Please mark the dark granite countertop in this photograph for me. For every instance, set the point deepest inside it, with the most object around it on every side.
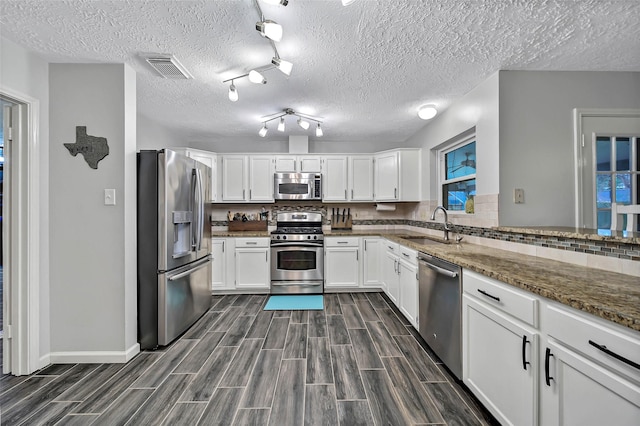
(609, 295)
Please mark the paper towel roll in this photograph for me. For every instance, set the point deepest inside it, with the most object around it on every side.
(386, 207)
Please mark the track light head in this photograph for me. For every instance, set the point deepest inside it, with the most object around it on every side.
(319, 132)
(281, 125)
(347, 2)
(263, 131)
(270, 29)
(303, 123)
(284, 66)
(233, 93)
(277, 2)
(256, 77)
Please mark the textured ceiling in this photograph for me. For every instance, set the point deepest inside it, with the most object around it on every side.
(364, 69)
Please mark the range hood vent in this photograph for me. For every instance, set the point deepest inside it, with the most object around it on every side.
(168, 67)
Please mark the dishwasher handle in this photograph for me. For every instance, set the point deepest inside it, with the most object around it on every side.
(452, 274)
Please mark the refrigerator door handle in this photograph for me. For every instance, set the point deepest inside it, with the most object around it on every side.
(204, 263)
(199, 208)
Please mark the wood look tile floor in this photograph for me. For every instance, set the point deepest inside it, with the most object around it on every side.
(358, 362)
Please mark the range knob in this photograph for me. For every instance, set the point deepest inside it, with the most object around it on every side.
(315, 237)
(278, 237)
(284, 237)
(308, 237)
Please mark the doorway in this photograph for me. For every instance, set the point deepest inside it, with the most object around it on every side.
(608, 164)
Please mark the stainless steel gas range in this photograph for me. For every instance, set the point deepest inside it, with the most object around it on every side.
(297, 254)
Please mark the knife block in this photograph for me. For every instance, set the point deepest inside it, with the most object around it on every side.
(337, 223)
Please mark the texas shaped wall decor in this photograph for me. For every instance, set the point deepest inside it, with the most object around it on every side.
(93, 148)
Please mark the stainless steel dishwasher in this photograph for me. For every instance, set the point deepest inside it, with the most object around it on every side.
(440, 309)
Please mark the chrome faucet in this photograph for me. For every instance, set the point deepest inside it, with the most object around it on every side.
(447, 224)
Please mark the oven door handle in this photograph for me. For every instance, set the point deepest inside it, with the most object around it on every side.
(296, 244)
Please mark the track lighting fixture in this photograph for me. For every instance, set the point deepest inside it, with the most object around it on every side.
(256, 77)
(270, 29)
(427, 112)
(277, 2)
(282, 65)
(233, 92)
(263, 131)
(303, 121)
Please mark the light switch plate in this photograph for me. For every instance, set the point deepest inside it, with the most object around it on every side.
(109, 197)
(518, 196)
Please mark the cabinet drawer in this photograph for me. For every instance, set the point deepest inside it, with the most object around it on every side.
(342, 242)
(518, 304)
(409, 255)
(392, 247)
(252, 242)
(602, 342)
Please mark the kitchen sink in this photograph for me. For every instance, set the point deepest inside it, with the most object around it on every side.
(427, 241)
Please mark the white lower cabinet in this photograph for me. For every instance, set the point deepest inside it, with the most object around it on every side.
(252, 267)
(499, 363)
(408, 284)
(223, 265)
(371, 262)
(390, 271)
(533, 361)
(341, 262)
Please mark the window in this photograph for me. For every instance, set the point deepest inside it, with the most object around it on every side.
(457, 173)
(617, 178)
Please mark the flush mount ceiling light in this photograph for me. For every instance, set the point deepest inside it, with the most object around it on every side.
(270, 29)
(303, 121)
(233, 92)
(427, 112)
(263, 131)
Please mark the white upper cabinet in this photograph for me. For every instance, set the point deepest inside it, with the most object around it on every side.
(298, 163)
(397, 175)
(247, 178)
(234, 177)
(361, 178)
(334, 178)
(261, 169)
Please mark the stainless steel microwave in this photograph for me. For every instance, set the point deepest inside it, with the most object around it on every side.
(297, 186)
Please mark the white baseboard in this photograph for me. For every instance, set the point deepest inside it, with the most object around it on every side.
(44, 361)
(94, 357)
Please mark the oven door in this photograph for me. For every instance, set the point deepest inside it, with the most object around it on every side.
(297, 261)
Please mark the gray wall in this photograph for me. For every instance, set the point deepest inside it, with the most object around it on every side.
(24, 72)
(479, 109)
(93, 251)
(536, 137)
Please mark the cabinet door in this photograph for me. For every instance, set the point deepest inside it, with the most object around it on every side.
(233, 177)
(581, 392)
(386, 177)
(408, 283)
(309, 164)
(260, 178)
(390, 275)
(371, 263)
(211, 161)
(495, 350)
(361, 178)
(252, 268)
(286, 163)
(341, 267)
(335, 179)
(218, 266)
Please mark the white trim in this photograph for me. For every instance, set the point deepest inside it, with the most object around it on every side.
(97, 357)
(578, 115)
(27, 336)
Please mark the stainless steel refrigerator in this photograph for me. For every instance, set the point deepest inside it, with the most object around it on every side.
(174, 244)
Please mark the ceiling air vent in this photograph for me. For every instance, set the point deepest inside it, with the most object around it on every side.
(168, 67)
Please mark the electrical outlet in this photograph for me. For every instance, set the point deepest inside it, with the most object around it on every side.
(518, 196)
